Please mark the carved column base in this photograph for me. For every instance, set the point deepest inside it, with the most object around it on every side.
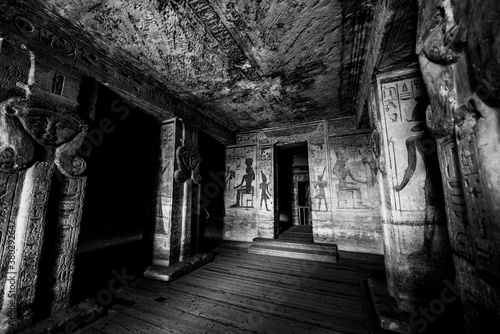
(170, 273)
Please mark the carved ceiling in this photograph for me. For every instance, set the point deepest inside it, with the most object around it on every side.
(248, 64)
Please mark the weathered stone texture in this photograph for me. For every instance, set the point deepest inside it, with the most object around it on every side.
(246, 61)
(458, 43)
(415, 234)
(342, 181)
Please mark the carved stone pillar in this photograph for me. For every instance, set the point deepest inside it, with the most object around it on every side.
(417, 246)
(176, 231)
(164, 235)
(461, 72)
(19, 293)
(40, 134)
(62, 236)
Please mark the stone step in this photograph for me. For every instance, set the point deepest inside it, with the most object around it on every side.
(296, 236)
(282, 243)
(295, 253)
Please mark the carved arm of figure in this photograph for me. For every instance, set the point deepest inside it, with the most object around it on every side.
(412, 163)
(243, 179)
(267, 189)
(354, 178)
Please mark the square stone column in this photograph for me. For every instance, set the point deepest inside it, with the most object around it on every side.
(176, 231)
(415, 233)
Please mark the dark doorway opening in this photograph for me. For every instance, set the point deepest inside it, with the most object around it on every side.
(122, 169)
(293, 205)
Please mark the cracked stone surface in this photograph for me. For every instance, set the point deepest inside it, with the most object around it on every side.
(250, 64)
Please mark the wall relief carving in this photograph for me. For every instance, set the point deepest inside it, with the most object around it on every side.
(28, 131)
(189, 164)
(459, 69)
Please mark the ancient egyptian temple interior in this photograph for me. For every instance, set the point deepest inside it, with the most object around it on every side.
(249, 166)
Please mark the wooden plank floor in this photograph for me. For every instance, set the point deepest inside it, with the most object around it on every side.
(248, 293)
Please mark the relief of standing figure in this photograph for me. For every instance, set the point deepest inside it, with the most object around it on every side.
(265, 194)
(321, 185)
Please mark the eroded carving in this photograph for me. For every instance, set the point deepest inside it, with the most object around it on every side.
(23, 127)
(189, 164)
(66, 241)
(41, 177)
(17, 149)
(459, 70)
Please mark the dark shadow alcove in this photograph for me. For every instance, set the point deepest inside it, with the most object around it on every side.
(123, 150)
(212, 189)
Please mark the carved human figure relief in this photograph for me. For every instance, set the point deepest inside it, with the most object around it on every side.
(23, 127)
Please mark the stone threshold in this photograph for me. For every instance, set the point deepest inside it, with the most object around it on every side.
(170, 273)
(295, 250)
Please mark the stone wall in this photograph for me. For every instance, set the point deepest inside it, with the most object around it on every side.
(355, 194)
(345, 205)
(249, 193)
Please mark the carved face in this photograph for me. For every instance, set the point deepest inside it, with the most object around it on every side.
(438, 39)
(48, 128)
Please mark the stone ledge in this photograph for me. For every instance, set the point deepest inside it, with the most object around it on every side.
(69, 321)
(389, 315)
(170, 273)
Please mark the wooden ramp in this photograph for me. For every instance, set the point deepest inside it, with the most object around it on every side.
(247, 293)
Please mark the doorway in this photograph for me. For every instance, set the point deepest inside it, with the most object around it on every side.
(293, 194)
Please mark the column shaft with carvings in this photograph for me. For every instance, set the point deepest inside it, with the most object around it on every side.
(62, 240)
(41, 132)
(19, 298)
(175, 235)
(416, 238)
(164, 235)
(460, 71)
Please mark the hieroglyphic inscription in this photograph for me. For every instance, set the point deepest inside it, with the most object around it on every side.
(8, 208)
(164, 203)
(246, 138)
(42, 173)
(175, 236)
(68, 230)
(403, 105)
(164, 195)
(455, 202)
(485, 254)
(177, 201)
